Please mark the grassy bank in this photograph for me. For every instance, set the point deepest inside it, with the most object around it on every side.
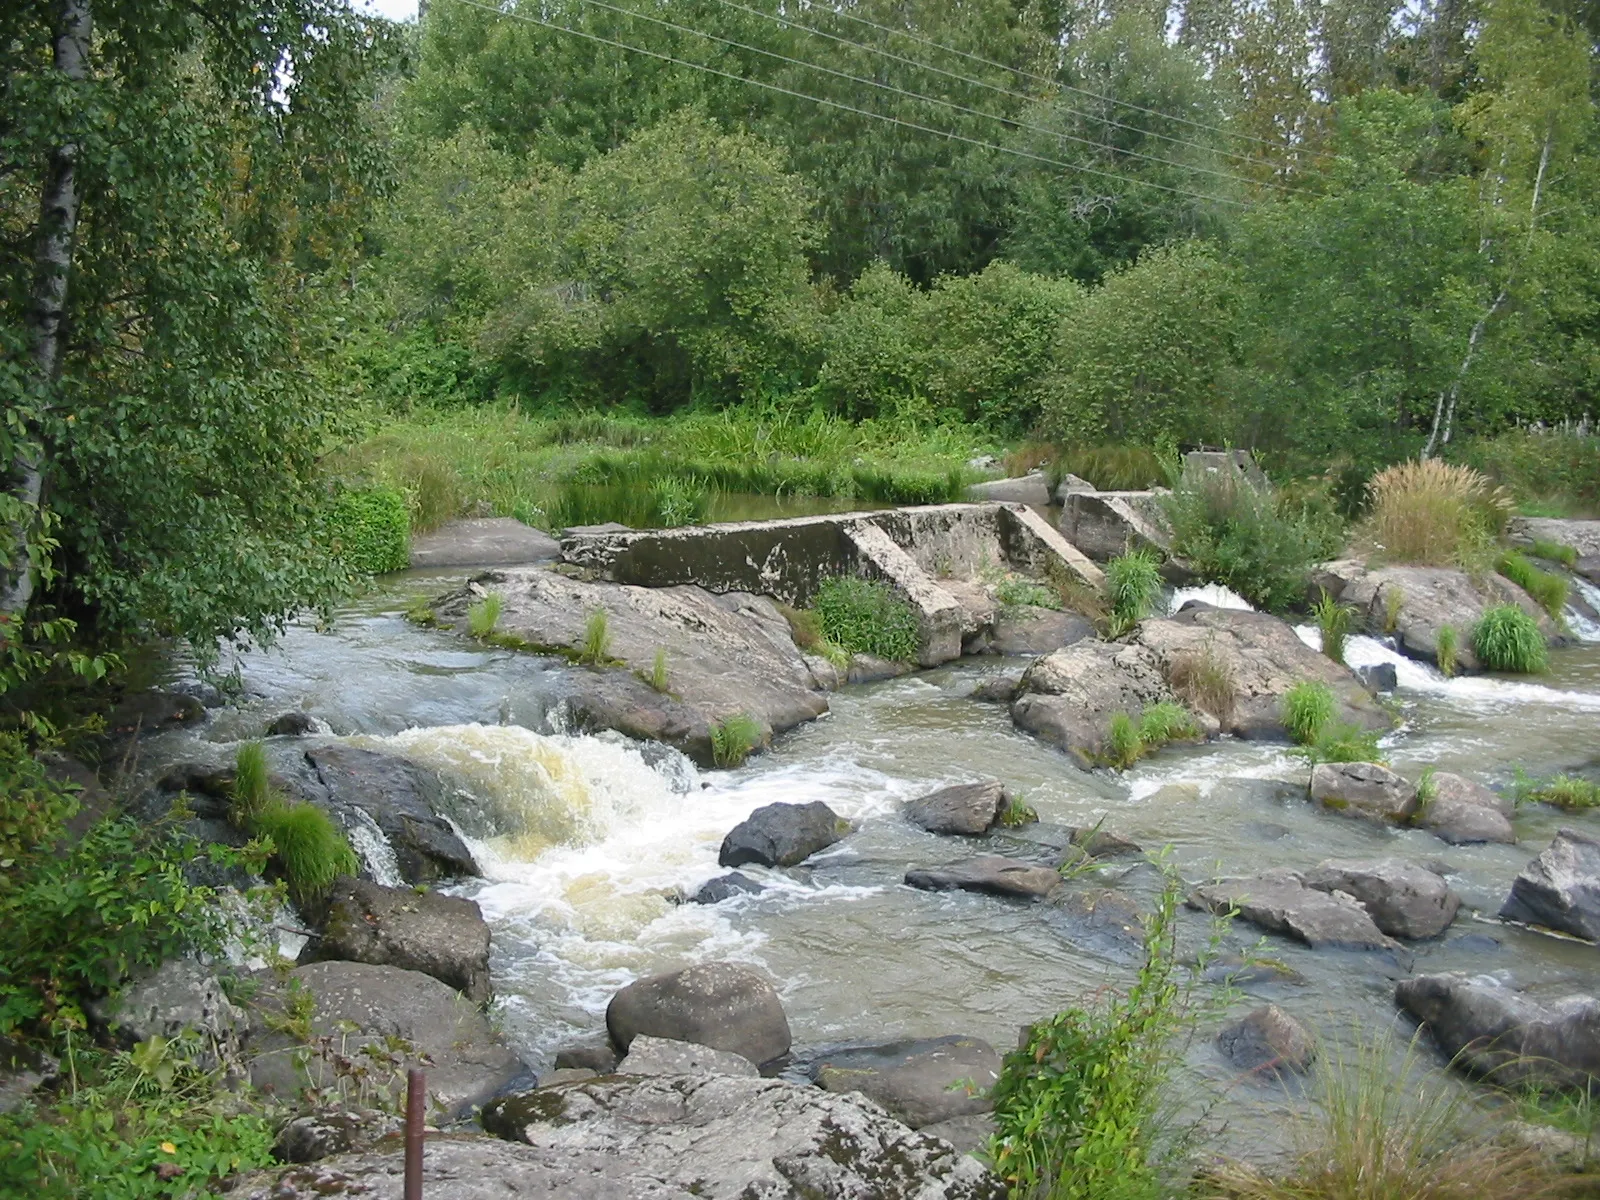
(552, 471)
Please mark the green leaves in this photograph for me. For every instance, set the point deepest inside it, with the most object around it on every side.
(865, 616)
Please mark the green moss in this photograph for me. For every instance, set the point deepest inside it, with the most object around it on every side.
(371, 530)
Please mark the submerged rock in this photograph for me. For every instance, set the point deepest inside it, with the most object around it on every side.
(1487, 1029)
(726, 887)
(782, 835)
(439, 935)
(721, 1005)
(1368, 790)
(920, 1082)
(1404, 899)
(992, 873)
(664, 1056)
(969, 808)
(1561, 888)
(1460, 811)
(1279, 901)
(1268, 1040)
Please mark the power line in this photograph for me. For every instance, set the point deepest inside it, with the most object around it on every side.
(912, 62)
(899, 91)
(772, 87)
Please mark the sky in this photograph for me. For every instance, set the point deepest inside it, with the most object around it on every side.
(395, 10)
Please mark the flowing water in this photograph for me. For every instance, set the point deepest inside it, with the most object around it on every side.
(589, 841)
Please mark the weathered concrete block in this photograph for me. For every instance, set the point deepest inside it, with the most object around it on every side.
(1106, 524)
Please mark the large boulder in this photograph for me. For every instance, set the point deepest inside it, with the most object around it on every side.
(443, 936)
(1403, 899)
(1460, 811)
(721, 1005)
(1368, 790)
(23, 1071)
(921, 1082)
(721, 1137)
(1025, 629)
(992, 873)
(403, 1016)
(1267, 1040)
(1068, 697)
(664, 1056)
(782, 835)
(179, 996)
(403, 800)
(1561, 888)
(726, 654)
(1106, 524)
(1488, 1029)
(1582, 536)
(968, 808)
(1279, 901)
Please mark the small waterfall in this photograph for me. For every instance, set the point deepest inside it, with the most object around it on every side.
(370, 845)
(1584, 627)
(1213, 594)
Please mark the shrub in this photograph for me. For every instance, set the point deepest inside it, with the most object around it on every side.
(865, 616)
(1204, 680)
(1132, 583)
(1508, 639)
(1445, 650)
(1308, 708)
(484, 614)
(1555, 552)
(33, 807)
(1433, 513)
(1248, 539)
(1333, 621)
(806, 628)
(371, 530)
(1559, 470)
(1548, 590)
(734, 738)
(308, 848)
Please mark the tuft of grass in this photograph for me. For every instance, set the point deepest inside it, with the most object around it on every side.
(311, 850)
(1427, 788)
(595, 649)
(1018, 591)
(678, 500)
(1570, 792)
(1123, 744)
(1394, 600)
(1446, 650)
(1334, 621)
(1017, 813)
(420, 612)
(1342, 744)
(253, 792)
(865, 616)
(483, 615)
(1433, 513)
(1548, 590)
(1204, 680)
(1132, 582)
(1390, 1134)
(657, 678)
(733, 739)
(1508, 639)
(1554, 552)
(1128, 740)
(1308, 709)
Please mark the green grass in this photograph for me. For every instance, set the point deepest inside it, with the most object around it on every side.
(1308, 710)
(483, 615)
(866, 616)
(1446, 650)
(1133, 581)
(1123, 744)
(1334, 621)
(1204, 680)
(1128, 740)
(678, 501)
(371, 530)
(1548, 590)
(1394, 601)
(311, 850)
(806, 628)
(657, 676)
(252, 787)
(1554, 552)
(1573, 793)
(419, 611)
(1342, 744)
(1110, 468)
(1018, 591)
(595, 649)
(1017, 813)
(733, 739)
(1508, 639)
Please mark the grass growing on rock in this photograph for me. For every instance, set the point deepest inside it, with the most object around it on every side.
(309, 849)
(1018, 591)
(1548, 590)
(1204, 680)
(1334, 622)
(1446, 650)
(805, 626)
(733, 739)
(1554, 552)
(1573, 793)
(866, 616)
(484, 614)
(1127, 740)
(595, 648)
(1308, 710)
(657, 676)
(1508, 639)
(1132, 582)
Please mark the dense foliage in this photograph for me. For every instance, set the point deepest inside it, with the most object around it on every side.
(865, 616)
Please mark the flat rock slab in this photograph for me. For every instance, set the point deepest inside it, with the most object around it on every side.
(962, 808)
(1561, 888)
(1279, 902)
(483, 542)
(992, 873)
(718, 1137)
(664, 1056)
(920, 1082)
(1404, 899)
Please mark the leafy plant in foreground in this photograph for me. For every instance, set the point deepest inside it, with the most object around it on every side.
(865, 616)
(1548, 590)
(1132, 582)
(1334, 621)
(1308, 708)
(733, 738)
(33, 807)
(1508, 639)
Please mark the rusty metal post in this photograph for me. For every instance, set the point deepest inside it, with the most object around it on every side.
(416, 1103)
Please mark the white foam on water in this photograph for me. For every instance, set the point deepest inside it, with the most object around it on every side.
(1213, 594)
(374, 850)
(1584, 628)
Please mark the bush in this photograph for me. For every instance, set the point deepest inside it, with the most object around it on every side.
(865, 616)
(1250, 540)
(1555, 471)
(33, 807)
(372, 530)
(308, 848)
(733, 739)
(1508, 639)
(1133, 581)
(1308, 708)
(1333, 621)
(1549, 591)
(1432, 513)
(677, 501)
(806, 628)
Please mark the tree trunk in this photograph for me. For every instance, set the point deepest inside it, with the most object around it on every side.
(52, 264)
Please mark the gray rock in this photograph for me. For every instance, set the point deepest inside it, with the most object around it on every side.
(1404, 899)
(1561, 888)
(23, 1071)
(179, 996)
(968, 808)
(1379, 677)
(1363, 790)
(991, 873)
(1001, 688)
(726, 887)
(782, 835)
(1461, 811)
(1030, 630)
(1278, 901)
(358, 1005)
(1566, 1152)
(403, 800)
(293, 724)
(1106, 524)
(970, 1134)
(329, 1131)
(720, 1137)
(1487, 1029)
(443, 936)
(1103, 920)
(141, 714)
(664, 1056)
(482, 542)
(1098, 842)
(920, 1082)
(569, 1075)
(1068, 697)
(599, 1056)
(868, 668)
(1582, 536)
(721, 1005)
(1268, 1040)
(1032, 488)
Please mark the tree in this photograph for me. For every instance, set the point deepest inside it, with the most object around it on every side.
(180, 187)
